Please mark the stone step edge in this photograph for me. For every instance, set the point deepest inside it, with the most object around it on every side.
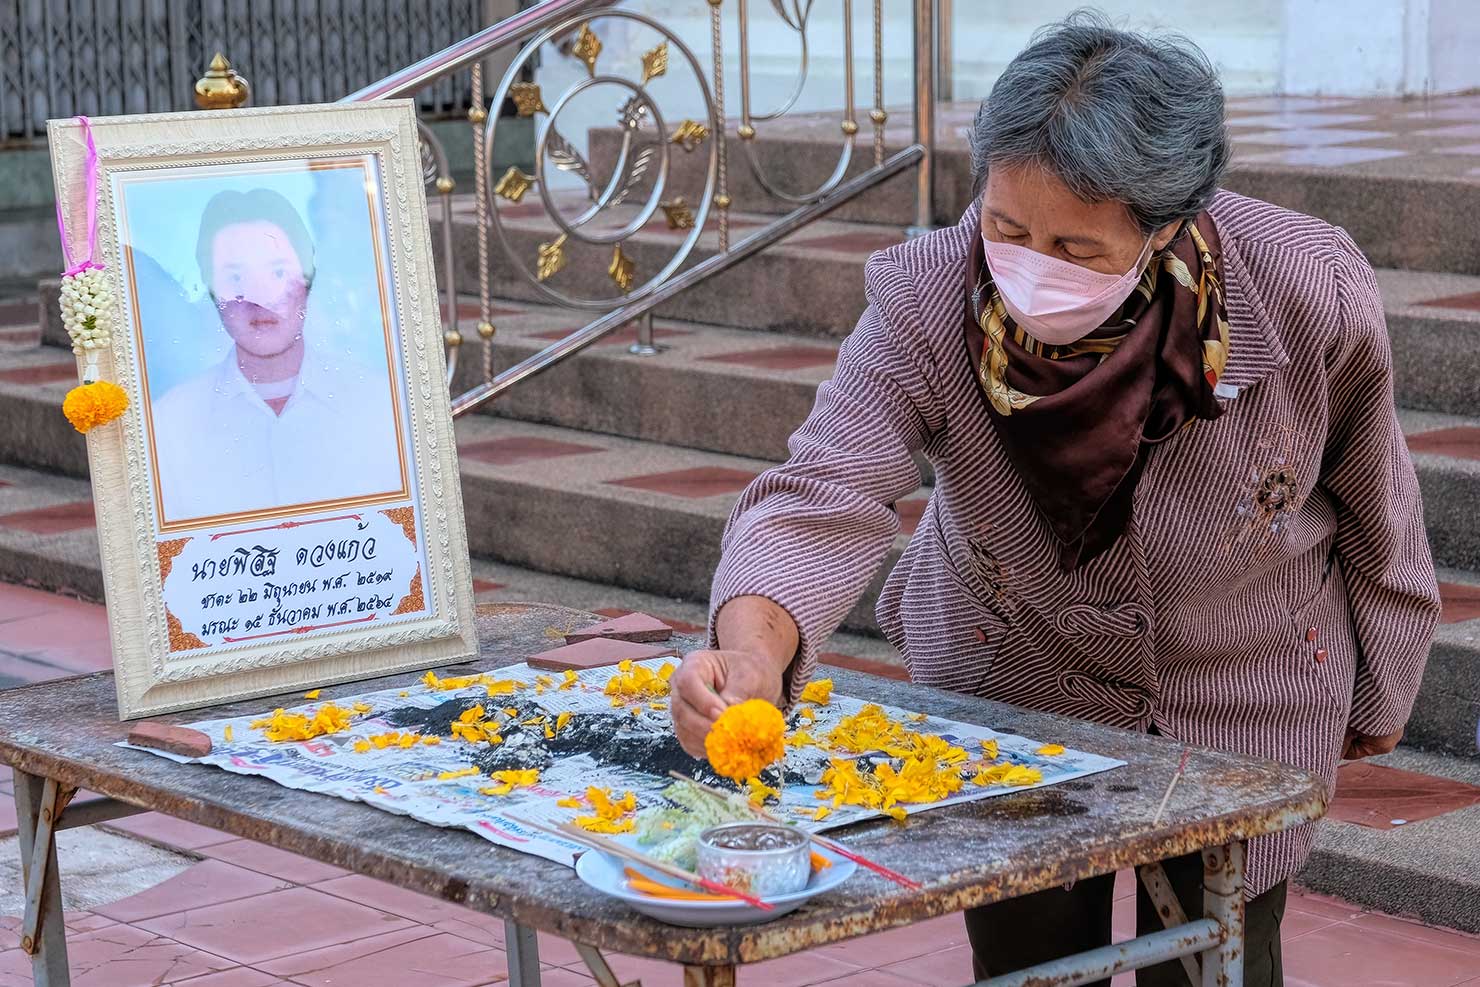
(1394, 871)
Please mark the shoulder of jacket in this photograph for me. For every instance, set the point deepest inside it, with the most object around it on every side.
(1253, 224)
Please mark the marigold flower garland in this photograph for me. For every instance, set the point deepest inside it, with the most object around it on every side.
(87, 312)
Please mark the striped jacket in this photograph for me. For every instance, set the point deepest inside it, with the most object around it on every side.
(1275, 584)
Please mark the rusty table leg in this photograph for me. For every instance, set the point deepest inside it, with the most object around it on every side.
(1223, 901)
(523, 951)
(708, 976)
(38, 803)
(1154, 877)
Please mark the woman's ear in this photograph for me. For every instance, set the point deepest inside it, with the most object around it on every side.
(1165, 235)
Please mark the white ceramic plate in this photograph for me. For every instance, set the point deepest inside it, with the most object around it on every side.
(604, 873)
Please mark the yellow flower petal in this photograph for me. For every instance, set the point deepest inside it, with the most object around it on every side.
(312, 695)
(1051, 750)
(227, 733)
(818, 691)
(460, 773)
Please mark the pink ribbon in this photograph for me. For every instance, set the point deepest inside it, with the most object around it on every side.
(91, 171)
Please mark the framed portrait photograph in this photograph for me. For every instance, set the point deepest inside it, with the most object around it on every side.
(278, 507)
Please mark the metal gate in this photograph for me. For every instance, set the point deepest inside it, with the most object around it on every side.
(103, 57)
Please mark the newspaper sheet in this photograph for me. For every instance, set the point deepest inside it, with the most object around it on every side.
(606, 742)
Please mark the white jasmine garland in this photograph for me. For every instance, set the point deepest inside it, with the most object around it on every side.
(86, 310)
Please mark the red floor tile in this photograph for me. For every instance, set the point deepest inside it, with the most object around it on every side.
(869, 978)
(122, 956)
(52, 520)
(46, 373)
(806, 968)
(514, 449)
(949, 966)
(931, 936)
(240, 976)
(779, 358)
(625, 336)
(169, 831)
(1461, 602)
(437, 959)
(396, 900)
(20, 334)
(269, 860)
(1352, 956)
(282, 923)
(1321, 905)
(296, 964)
(1462, 442)
(838, 660)
(702, 481)
(558, 977)
(1470, 301)
(209, 882)
(1373, 795)
(862, 242)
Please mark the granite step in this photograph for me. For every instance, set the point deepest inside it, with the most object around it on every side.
(709, 403)
(1427, 868)
(1400, 175)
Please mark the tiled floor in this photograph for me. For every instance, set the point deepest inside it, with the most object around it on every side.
(249, 915)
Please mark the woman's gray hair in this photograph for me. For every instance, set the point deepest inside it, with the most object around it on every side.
(1116, 115)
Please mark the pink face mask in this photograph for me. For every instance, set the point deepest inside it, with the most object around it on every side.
(1057, 302)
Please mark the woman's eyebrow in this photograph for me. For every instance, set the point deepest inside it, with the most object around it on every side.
(1083, 241)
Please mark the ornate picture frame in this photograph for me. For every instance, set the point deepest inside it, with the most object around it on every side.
(278, 507)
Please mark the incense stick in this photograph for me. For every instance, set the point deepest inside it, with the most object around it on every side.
(598, 842)
(816, 838)
(1168, 796)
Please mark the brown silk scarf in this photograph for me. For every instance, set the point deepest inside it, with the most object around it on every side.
(1077, 420)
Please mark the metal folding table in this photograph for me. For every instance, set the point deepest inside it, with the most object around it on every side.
(59, 737)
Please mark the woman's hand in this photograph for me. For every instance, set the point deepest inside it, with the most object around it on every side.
(1360, 745)
(709, 681)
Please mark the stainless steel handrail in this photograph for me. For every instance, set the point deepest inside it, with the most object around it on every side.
(782, 228)
(475, 46)
(552, 13)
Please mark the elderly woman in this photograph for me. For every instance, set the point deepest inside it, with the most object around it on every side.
(1170, 491)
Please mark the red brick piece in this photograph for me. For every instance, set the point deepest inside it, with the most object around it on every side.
(596, 653)
(636, 627)
(170, 738)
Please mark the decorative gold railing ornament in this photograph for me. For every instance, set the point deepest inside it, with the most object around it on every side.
(638, 184)
(795, 14)
(437, 176)
(611, 209)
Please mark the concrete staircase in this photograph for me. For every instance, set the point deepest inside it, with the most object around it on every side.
(607, 481)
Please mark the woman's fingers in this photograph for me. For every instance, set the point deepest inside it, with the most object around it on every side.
(695, 702)
(689, 726)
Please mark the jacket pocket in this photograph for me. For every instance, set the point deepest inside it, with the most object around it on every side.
(950, 637)
(1324, 643)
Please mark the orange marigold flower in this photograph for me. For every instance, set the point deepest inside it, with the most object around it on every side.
(89, 405)
(746, 739)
